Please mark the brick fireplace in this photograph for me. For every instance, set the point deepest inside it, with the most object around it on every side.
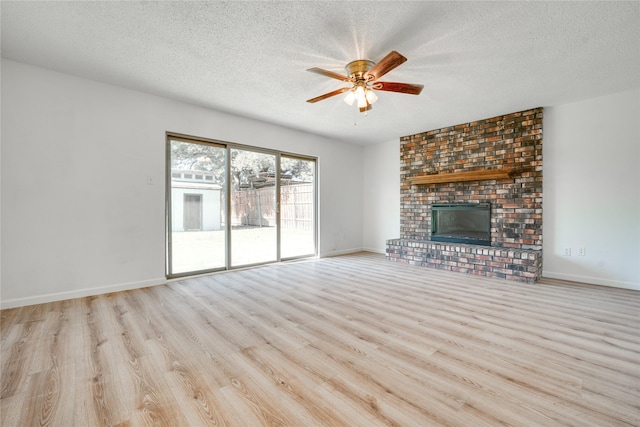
(496, 161)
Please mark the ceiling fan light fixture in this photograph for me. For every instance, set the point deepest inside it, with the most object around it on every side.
(363, 95)
(371, 96)
(350, 98)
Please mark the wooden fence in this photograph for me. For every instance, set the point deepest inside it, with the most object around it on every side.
(256, 207)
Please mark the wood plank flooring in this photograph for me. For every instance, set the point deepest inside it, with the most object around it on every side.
(345, 341)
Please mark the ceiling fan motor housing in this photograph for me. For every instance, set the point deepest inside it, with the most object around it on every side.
(358, 68)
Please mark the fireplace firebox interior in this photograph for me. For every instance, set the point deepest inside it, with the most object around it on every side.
(461, 223)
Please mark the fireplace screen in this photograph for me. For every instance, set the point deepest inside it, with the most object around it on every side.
(461, 223)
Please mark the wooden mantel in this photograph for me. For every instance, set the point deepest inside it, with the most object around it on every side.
(476, 175)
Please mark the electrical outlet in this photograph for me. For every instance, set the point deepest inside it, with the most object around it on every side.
(150, 180)
(566, 252)
(582, 251)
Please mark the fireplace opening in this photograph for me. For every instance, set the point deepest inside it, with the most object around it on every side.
(461, 223)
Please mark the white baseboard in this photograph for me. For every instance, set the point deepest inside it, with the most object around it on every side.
(375, 250)
(342, 252)
(592, 280)
(79, 293)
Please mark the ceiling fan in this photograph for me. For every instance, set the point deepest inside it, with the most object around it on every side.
(363, 76)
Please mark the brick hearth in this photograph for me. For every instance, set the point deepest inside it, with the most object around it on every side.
(511, 141)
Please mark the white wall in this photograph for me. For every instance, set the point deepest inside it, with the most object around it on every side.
(78, 217)
(591, 190)
(381, 189)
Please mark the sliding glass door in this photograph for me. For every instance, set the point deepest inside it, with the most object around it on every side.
(231, 206)
(254, 222)
(197, 214)
(297, 207)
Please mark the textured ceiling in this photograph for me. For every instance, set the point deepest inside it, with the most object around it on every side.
(475, 59)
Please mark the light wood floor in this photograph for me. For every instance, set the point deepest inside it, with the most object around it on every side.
(345, 341)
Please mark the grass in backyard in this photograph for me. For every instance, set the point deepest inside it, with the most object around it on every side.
(204, 250)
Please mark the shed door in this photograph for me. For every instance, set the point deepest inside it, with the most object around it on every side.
(192, 212)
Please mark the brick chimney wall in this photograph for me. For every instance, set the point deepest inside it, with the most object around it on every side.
(513, 140)
(509, 141)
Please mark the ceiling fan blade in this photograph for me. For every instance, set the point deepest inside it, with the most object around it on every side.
(329, 74)
(388, 63)
(329, 95)
(407, 88)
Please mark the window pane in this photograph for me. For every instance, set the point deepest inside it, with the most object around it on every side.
(297, 222)
(253, 207)
(197, 207)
